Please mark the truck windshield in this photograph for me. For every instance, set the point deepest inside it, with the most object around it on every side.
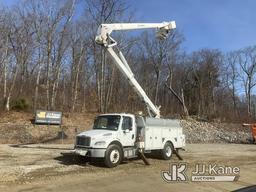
(107, 122)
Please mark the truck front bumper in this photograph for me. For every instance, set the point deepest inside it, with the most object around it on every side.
(90, 152)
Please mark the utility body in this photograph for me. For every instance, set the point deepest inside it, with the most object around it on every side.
(117, 136)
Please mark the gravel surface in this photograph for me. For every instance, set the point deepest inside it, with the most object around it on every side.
(43, 168)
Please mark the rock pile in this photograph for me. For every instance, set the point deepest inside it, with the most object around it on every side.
(205, 132)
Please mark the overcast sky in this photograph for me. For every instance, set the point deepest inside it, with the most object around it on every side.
(222, 24)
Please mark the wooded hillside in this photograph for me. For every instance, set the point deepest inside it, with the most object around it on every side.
(49, 60)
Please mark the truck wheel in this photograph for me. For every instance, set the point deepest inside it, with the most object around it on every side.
(167, 151)
(113, 156)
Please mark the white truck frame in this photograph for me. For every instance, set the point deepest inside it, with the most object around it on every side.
(119, 135)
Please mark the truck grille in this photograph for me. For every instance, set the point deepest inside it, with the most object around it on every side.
(83, 141)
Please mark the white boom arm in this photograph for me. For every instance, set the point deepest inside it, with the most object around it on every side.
(103, 38)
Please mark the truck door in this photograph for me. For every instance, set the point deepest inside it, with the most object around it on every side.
(128, 131)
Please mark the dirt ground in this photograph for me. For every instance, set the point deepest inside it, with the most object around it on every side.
(44, 168)
(18, 128)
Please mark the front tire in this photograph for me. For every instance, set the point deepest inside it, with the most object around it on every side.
(113, 156)
(167, 151)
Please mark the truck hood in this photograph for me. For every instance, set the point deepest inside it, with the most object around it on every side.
(97, 133)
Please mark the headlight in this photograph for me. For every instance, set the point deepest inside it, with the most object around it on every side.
(100, 143)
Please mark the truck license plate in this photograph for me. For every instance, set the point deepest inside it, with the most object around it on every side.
(81, 152)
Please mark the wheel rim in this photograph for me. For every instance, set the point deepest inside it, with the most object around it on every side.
(168, 151)
(114, 156)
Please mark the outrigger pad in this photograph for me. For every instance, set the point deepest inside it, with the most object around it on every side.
(142, 156)
(177, 154)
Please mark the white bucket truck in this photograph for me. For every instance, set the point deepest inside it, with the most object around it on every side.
(117, 136)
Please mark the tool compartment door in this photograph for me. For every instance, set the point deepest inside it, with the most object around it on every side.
(153, 138)
(157, 137)
(148, 138)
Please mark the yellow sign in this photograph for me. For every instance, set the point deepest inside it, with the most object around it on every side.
(41, 114)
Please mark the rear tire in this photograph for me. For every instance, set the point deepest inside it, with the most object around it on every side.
(167, 151)
(113, 156)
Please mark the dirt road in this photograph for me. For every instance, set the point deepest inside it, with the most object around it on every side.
(43, 168)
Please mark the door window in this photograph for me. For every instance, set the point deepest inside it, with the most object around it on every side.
(127, 123)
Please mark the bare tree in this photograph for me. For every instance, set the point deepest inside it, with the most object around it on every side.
(68, 11)
(102, 11)
(20, 43)
(4, 60)
(204, 78)
(79, 49)
(232, 76)
(4, 53)
(157, 53)
(172, 62)
(247, 62)
(37, 25)
(160, 54)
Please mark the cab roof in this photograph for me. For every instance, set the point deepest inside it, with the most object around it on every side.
(122, 114)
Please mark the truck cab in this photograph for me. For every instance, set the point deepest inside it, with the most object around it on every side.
(114, 137)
